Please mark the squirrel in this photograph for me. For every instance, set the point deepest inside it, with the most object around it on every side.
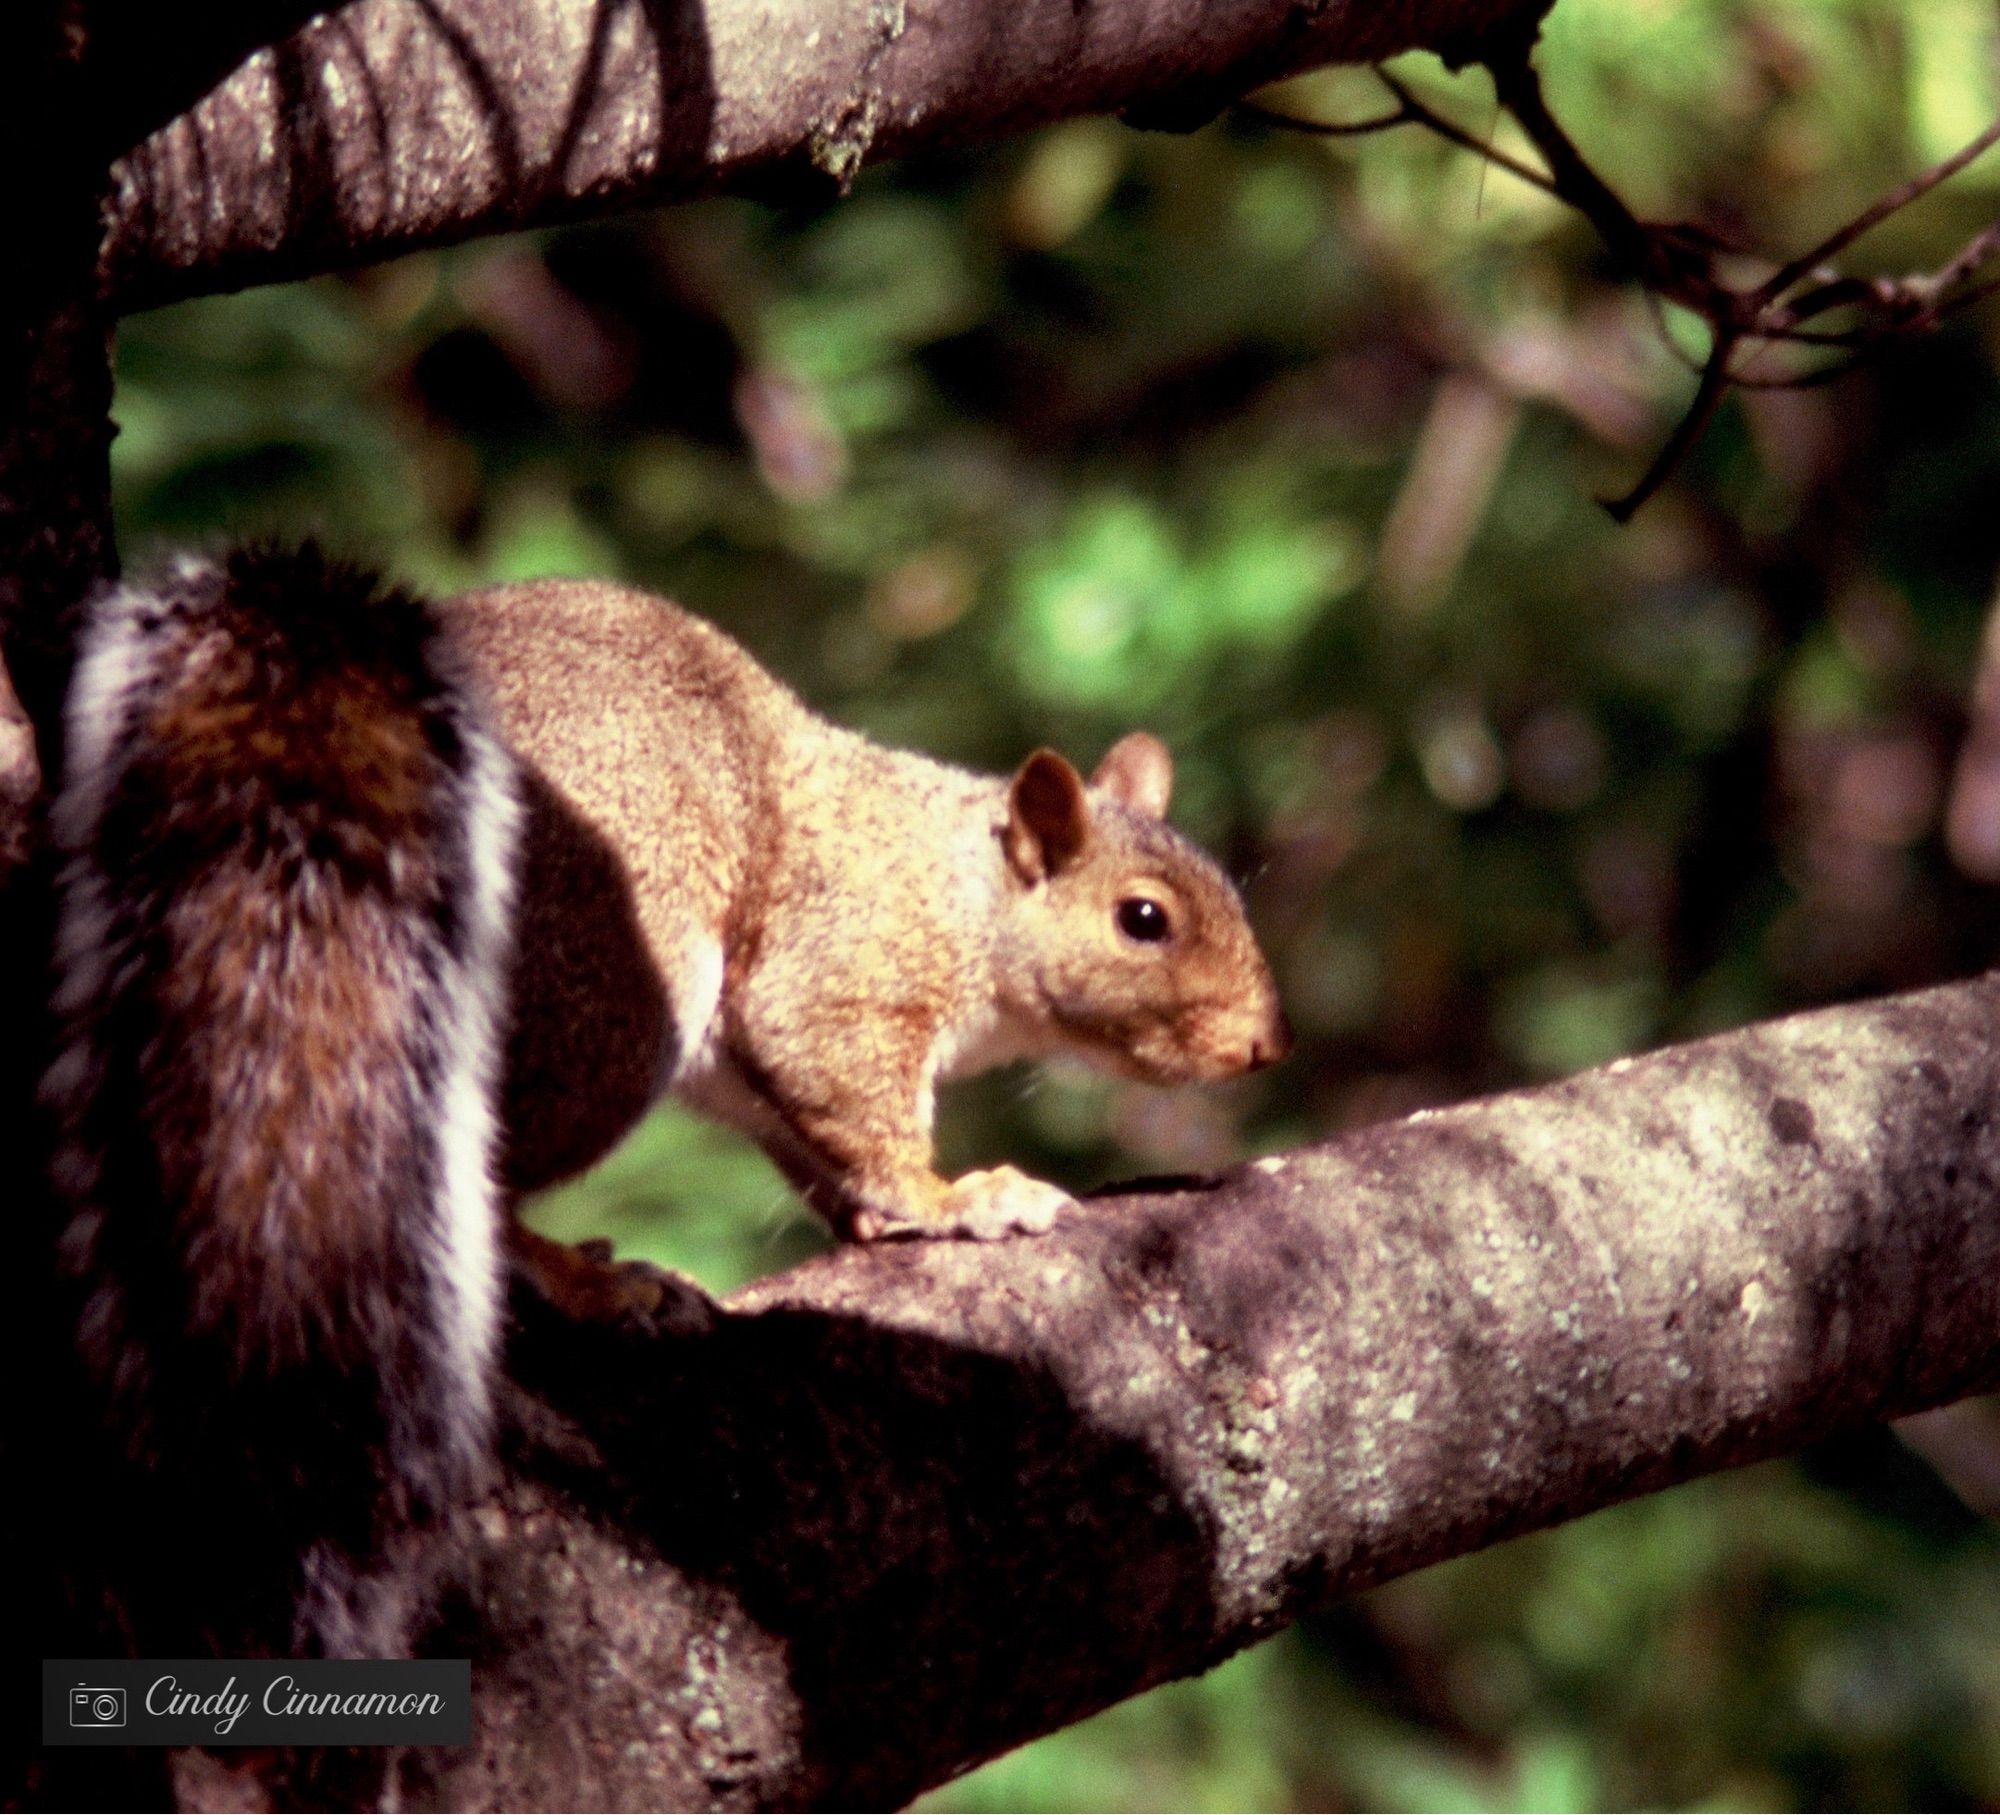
(805, 932)
(376, 915)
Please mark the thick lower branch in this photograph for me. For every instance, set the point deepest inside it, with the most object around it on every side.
(908, 1506)
(391, 124)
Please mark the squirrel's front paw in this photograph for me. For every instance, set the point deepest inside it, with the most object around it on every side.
(1003, 1201)
(983, 1206)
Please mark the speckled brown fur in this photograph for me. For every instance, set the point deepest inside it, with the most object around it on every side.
(826, 928)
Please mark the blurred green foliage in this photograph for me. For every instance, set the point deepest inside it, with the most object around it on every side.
(1289, 449)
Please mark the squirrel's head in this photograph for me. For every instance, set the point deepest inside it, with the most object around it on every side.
(1122, 939)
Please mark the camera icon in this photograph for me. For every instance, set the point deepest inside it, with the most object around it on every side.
(96, 1707)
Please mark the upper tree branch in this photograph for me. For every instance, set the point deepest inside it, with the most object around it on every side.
(907, 1506)
(391, 124)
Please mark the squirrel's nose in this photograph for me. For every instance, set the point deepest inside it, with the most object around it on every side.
(1272, 1044)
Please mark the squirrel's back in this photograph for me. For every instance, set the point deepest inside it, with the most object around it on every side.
(651, 750)
(799, 931)
(688, 817)
(288, 856)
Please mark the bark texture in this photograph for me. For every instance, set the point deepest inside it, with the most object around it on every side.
(392, 124)
(889, 1514)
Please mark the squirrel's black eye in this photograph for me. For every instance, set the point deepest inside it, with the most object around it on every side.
(1143, 919)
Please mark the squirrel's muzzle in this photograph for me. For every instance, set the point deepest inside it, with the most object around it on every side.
(1273, 1044)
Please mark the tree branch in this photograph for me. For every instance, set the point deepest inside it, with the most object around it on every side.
(905, 1507)
(392, 124)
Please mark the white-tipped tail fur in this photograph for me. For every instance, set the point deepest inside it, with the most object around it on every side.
(289, 847)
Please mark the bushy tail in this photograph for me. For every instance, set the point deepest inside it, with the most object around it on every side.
(288, 841)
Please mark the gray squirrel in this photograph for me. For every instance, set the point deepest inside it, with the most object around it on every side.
(376, 914)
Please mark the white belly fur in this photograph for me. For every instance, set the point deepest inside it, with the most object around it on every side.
(694, 996)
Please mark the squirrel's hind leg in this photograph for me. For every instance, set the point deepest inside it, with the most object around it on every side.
(587, 1284)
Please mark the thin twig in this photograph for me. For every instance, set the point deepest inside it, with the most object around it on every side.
(1874, 215)
(1325, 129)
(1420, 112)
(1410, 111)
(1627, 238)
(1681, 262)
(1714, 386)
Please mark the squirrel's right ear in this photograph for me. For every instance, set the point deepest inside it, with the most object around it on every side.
(1048, 817)
(1138, 772)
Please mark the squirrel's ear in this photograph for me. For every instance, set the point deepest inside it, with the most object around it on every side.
(1048, 816)
(1137, 772)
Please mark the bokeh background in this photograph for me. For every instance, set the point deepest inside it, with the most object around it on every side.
(1289, 450)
